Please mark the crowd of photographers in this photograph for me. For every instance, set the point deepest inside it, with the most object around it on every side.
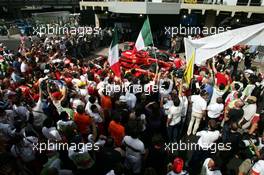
(52, 96)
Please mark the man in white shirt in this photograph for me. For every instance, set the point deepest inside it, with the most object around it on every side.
(184, 106)
(76, 102)
(174, 120)
(205, 147)
(216, 109)
(91, 101)
(96, 114)
(135, 150)
(50, 132)
(199, 105)
(131, 99)
(218, 92)
(207, 138)
(249, 111)
(209, 168)
(165, 104)
(64, 121)
(165, 87)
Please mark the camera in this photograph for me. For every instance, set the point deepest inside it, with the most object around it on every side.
(178, 73)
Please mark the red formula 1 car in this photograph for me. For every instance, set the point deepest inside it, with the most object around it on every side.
(142, 61)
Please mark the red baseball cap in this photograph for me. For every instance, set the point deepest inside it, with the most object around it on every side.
(178, 164)
(57, 95)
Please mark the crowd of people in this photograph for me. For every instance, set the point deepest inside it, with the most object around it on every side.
(58, 116)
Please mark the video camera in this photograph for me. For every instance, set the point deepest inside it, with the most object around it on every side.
(179, 73)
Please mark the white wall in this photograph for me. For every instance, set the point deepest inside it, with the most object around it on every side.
(163, 8)
(230, 2)
(128, 7)
(144, 7)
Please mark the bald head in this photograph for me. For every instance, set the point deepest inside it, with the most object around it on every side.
(211, 164)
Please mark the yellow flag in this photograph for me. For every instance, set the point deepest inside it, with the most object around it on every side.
(188, 74)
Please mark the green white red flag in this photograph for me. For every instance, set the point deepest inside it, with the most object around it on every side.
(113, 56)
(145, 37)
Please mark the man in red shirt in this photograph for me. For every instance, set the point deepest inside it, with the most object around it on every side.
(83, 121)
(116, 130)
(221, 77)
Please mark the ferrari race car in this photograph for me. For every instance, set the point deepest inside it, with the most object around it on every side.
(146, 61)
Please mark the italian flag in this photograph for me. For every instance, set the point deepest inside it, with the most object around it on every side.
(145, 37)
(113, 57)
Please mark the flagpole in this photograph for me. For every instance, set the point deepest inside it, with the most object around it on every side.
(193, 66)
(193, 62)
(155, 55)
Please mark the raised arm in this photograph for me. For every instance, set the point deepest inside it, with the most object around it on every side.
(180, 90)
(40, 90)
(213, 66)
(50, 95)
(171, 82)
(64, 93)
(148, 105)
(227, 86)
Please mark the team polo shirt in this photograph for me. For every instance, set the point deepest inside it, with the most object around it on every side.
(117, 132)
(82, 121)
(221, 79)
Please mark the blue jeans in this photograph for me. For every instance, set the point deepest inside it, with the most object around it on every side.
(173, 132)
(226, 130)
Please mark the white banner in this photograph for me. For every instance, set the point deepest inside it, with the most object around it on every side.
(210, 46)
